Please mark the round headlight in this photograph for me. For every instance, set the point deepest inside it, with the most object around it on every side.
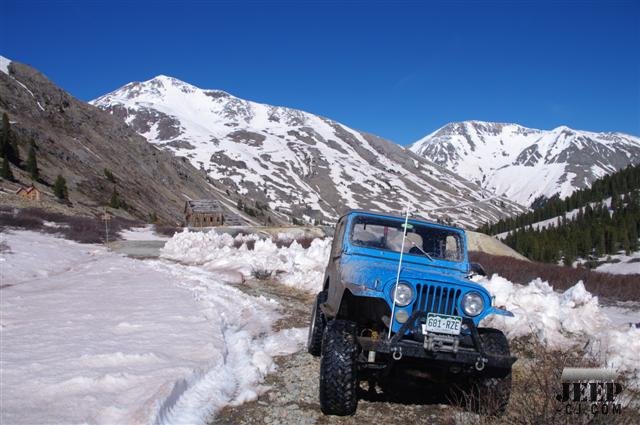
(472, 303)
(403, 294)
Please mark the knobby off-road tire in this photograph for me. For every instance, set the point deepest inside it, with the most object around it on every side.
(338, 369)
(317, 325)
(490, 395)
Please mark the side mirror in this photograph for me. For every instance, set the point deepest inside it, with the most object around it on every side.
(477, 269)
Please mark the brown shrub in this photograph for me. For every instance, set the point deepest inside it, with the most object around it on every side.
(619, 287)
(81, 229)
(250, 244)
(304, 241)
(166, 229)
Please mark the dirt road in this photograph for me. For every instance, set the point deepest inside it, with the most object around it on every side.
(293, 394)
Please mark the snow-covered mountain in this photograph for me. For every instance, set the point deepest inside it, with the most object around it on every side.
(80, 142)
(523, 163)
(294, 161)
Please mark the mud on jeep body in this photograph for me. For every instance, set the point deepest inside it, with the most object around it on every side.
(431, 333)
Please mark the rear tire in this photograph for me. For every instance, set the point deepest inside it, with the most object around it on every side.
(316, 326)
(490, 395)
(338, 369)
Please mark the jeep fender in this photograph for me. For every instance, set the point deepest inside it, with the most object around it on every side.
(356, 302)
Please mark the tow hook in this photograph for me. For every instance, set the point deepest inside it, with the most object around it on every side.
(480, 363)
(397, 353)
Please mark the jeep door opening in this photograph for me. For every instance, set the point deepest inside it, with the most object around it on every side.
(383, 324)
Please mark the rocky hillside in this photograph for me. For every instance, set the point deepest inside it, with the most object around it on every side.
(295, 162)
(524, 163)
(79, 142)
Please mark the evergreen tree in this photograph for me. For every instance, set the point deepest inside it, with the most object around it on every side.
(8, 143)
(60, 188)
(6, 147)
(109, 175)
(633, 236)
(624, 241)
(4, 134)
(600, 243)
(32, 162)
(6, 169)
(115, 202)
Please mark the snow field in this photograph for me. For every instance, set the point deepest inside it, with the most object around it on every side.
(89, 336)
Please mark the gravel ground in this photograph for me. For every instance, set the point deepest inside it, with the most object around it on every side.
(293, 394)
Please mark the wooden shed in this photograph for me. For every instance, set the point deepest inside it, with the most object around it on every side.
(203, 213)
(29, 192)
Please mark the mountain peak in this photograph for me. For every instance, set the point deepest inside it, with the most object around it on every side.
(523, 163)
(167, 79)
(563, 129)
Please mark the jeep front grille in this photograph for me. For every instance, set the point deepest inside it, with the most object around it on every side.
(437, 299)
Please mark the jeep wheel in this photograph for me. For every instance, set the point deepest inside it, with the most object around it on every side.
(316, 327)
(490, 395)
(338, 369)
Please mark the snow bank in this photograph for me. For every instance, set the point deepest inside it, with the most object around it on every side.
(562, 320)
(558, 320)
(295, 265)
(89, 336)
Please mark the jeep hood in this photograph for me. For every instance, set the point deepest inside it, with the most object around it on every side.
(377, 273)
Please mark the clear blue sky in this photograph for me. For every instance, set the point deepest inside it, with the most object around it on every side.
(396, 69)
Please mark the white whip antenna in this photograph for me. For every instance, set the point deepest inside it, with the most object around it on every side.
(395, 288)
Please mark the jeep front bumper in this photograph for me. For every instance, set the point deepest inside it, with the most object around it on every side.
(442, 350)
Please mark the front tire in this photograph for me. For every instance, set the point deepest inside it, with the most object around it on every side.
(317, 325)
(490, 395)
(338, 369)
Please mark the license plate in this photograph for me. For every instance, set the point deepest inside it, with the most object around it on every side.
(442, 324)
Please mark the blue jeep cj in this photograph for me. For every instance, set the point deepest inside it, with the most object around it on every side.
(399, 327)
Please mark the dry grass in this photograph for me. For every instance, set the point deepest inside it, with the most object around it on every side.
(536, 381)
(619, 287)
(83, 229)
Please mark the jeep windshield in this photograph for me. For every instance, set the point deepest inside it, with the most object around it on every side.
(422, 239)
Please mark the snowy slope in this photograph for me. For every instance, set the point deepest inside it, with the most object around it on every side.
(523, 163)
(295, 161)
(557, 220)
(621, 264)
